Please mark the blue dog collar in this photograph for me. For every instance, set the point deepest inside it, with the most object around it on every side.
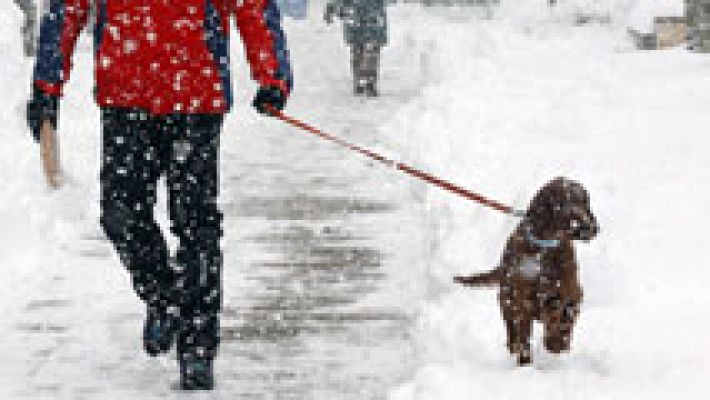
(542, 243)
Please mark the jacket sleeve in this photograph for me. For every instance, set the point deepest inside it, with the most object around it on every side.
(59, 31)
(259, 23)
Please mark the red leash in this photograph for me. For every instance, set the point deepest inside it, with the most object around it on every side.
(419, 174)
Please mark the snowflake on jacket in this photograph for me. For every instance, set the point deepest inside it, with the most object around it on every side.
(364, 21)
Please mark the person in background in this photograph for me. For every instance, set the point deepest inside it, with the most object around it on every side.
(163, 86)
(365, 30)
(29, 8)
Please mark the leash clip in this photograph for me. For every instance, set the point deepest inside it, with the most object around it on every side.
(518, 213)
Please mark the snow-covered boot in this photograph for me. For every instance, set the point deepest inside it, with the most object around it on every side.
(196, 373)
(161, 325)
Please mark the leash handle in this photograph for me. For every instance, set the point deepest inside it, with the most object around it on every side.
(407, 169)
(49, 154)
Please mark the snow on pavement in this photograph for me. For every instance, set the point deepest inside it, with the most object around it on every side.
(323, 250)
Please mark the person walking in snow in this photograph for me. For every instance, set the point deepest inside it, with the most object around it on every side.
(365, 30)
(28, 8)
(163, 87)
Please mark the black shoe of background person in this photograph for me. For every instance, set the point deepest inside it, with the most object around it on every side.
(196, 373)
(161, 326)
(359, 90)
(41, 107)
(371, 90)
(271, 96)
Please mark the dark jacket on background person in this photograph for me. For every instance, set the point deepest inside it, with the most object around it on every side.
(364, 21)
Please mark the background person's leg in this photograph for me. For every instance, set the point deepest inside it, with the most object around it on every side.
(357, 54)
(370, 67)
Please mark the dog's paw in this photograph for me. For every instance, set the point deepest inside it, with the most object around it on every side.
(524, 358)
(460, 279)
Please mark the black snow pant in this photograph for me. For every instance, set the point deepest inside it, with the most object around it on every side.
(139, 148)
(365, 59)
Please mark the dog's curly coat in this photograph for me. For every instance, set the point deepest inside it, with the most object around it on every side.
(537, 275)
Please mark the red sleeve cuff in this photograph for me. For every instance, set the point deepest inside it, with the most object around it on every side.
(49, 88)
(279, 83)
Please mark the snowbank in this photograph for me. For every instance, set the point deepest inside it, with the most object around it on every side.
(637, 14)
(511, 105)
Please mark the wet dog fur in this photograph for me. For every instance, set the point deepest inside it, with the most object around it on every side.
(538, 273)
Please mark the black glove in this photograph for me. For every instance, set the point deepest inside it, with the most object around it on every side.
(41, 107)
(271, 96)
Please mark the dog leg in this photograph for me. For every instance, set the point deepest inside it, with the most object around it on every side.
(524, 326)
(518, 324)
(518, 330)
(552, 321)
(569, 317)
(558, 327)
(511, 338)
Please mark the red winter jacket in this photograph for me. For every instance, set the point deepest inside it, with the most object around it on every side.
(164, 56)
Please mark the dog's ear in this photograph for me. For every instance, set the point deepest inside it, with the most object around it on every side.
(546, 208)
(546, 200)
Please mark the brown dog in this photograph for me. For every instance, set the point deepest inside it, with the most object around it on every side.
(537, 275)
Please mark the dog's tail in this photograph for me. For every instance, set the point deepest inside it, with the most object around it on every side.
(490, 278)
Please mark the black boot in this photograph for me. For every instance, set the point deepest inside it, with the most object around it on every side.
(159, 331)
(358, 87)
(196, 373)
(371, 89)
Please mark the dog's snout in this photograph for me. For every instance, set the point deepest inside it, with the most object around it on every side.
(595, 226)
(588, 227)
(583, 225)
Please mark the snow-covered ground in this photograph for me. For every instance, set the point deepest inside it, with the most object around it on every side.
(498, 105)
(515, 101)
